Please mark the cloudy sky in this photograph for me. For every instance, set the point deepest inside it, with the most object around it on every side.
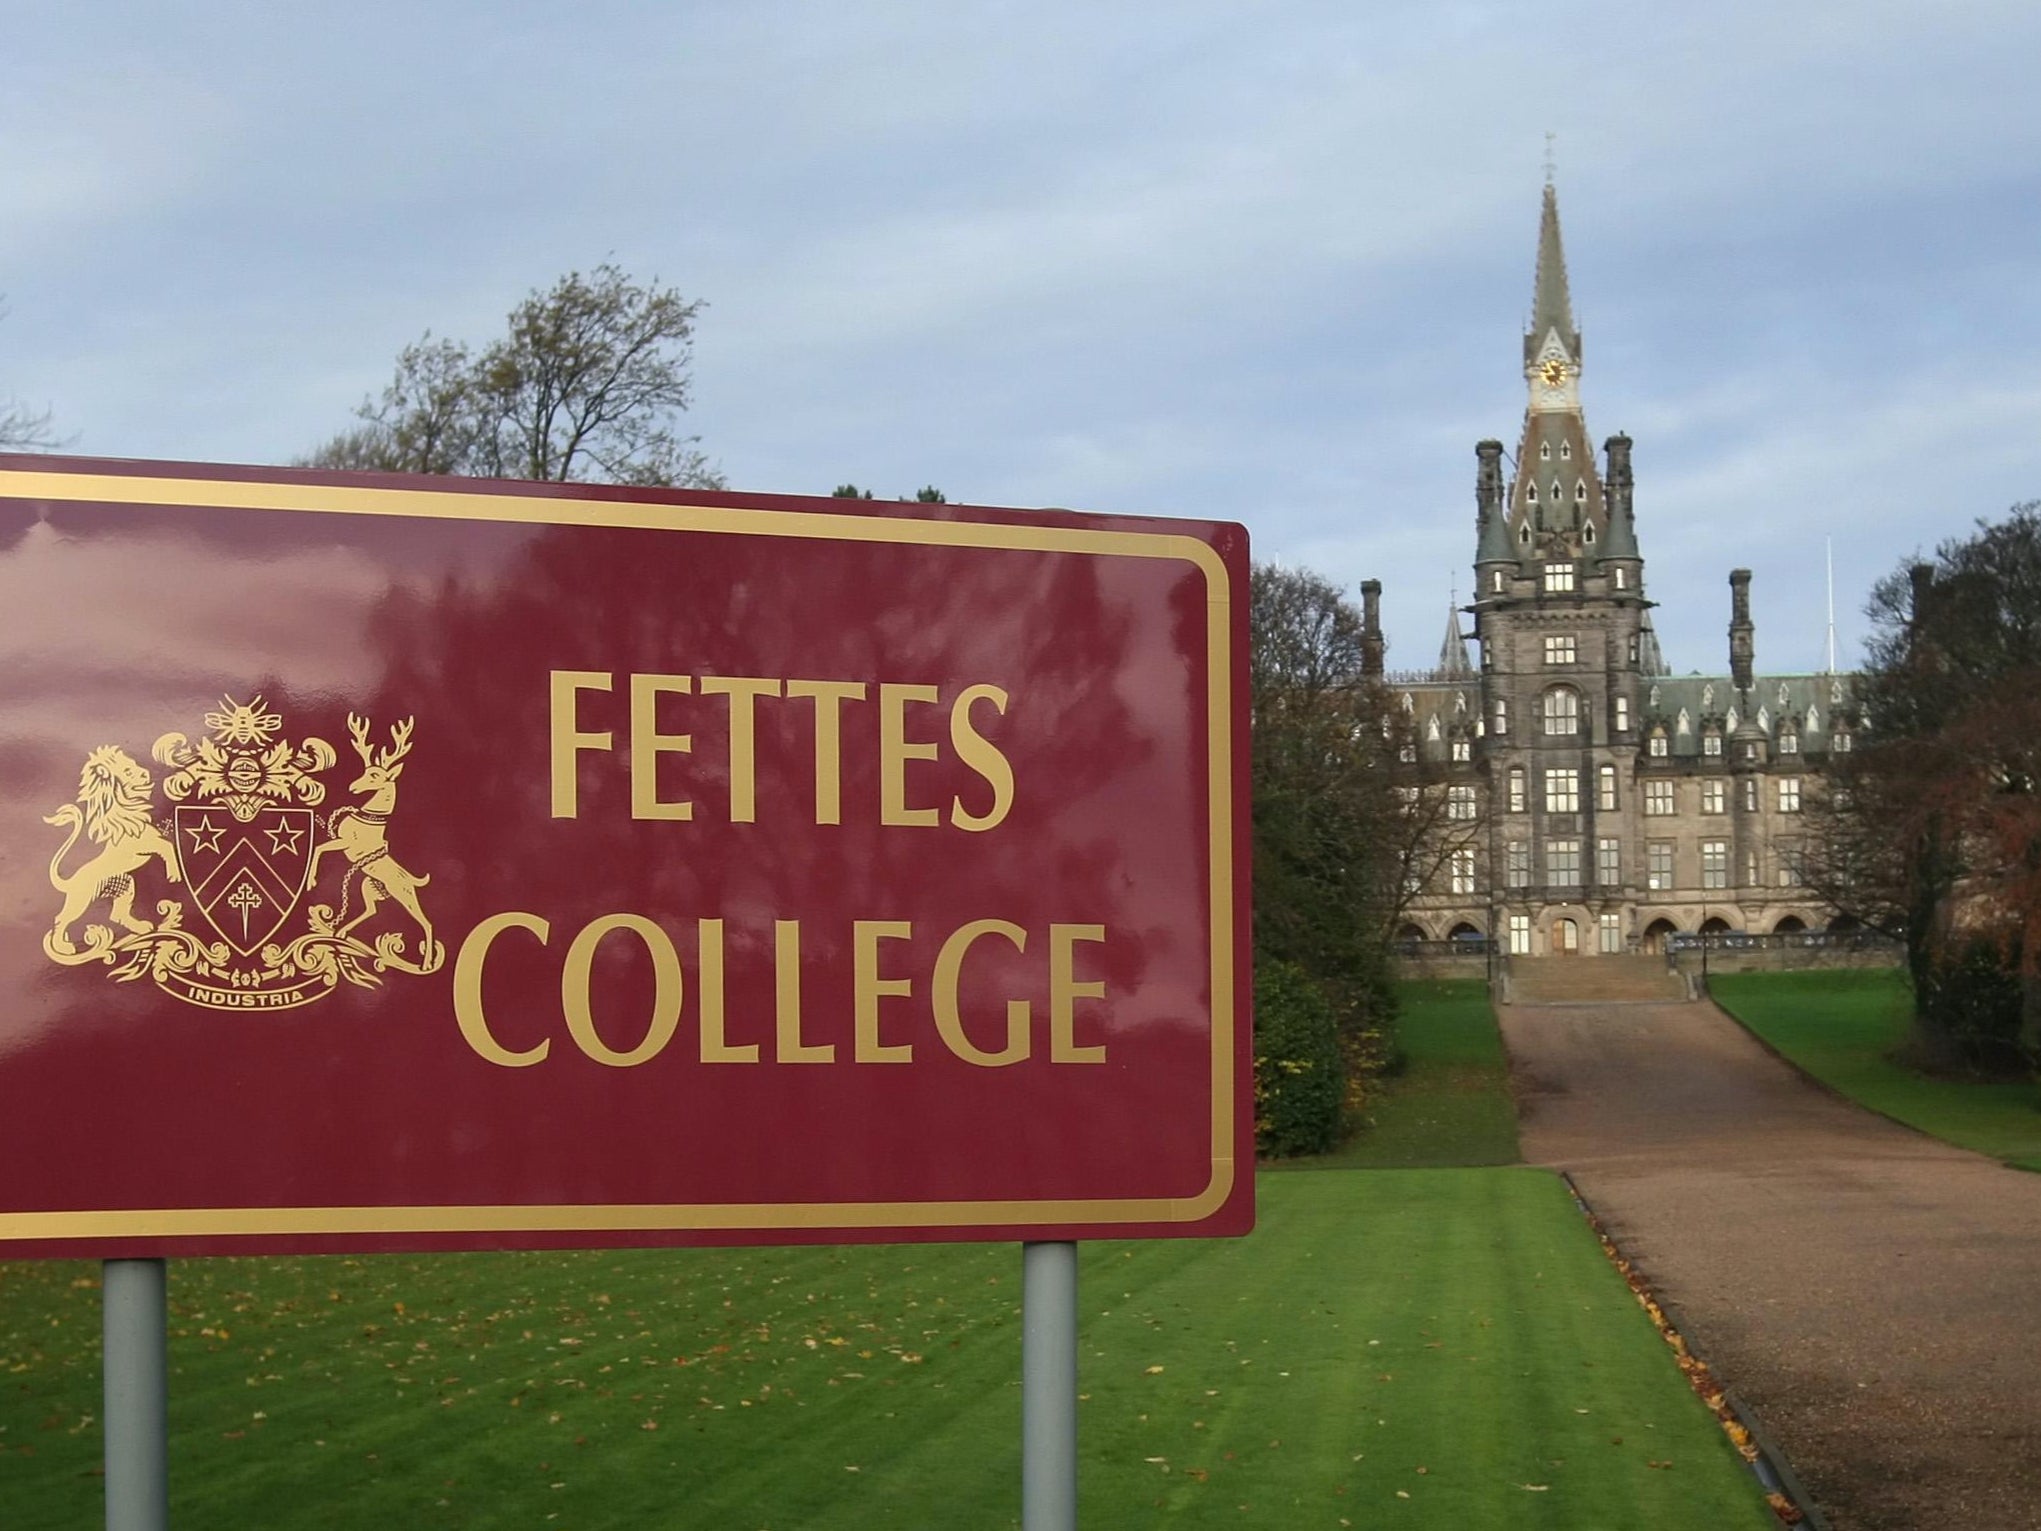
(1264, 262)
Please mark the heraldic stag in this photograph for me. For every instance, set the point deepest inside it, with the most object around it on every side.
(358, 834)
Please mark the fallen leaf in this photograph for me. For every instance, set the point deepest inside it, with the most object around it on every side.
(1153, 1371)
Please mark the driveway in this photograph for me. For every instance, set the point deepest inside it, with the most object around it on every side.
(1872, 1294)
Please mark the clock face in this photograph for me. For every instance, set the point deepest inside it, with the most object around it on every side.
(1553, 371)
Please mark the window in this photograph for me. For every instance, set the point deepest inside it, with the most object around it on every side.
(1841, 742)
(1633, 651)
(1750, 794)
(1789, 866)
(1501, 716)
(1658, 865)
(1714, 797)
(1461, 869)
(1562, 790)
(1562, 711)
(1789, 741)
(1658, 799)
(1559, 649)
(1789, 794)
(1610, 927)
(1751, 876)
(1605, 789)
(1495, 581)
(1622, 578)
(1460, 803)
(1558, 578)
(1517, 865)
(1463, 747)
(1566, 450)
(1408, 754)
(1711, 742)
(1609, 862)
(1622, 714)
(1544, 451)
(1520, 935)
(1714, 863)
(1656, 744)
(1516, 789)
(1562, 862)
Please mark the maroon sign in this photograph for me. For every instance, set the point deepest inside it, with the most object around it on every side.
(416, 863)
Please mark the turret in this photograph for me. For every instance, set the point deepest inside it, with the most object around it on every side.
(1491, 523)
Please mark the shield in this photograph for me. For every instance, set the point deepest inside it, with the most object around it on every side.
(245, 878)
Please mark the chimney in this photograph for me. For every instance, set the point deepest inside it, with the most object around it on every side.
(1372, 646)
(1742, 635)
(1621, 483)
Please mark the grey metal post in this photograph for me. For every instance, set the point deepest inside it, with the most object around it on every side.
(1048, 1387)
(136, 1370)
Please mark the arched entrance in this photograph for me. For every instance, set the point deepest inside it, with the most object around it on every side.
(1565, 938)
(1655, 935)
(1715, 925)
(1463, 932)
(1789, 925)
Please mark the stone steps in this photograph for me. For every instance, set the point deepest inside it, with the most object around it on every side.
(1591, 980)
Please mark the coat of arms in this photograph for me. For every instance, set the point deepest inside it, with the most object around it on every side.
(244, 843)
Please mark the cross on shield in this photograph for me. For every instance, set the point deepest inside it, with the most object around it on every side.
(245, 878)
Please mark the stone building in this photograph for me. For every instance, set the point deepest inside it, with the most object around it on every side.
(1588, 801)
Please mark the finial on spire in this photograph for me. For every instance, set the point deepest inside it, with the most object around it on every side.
(1551, 165)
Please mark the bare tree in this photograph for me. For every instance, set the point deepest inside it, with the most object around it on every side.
(588, 384)
(1931, 830)
(24, 428)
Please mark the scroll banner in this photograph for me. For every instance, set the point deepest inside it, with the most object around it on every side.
(405, 863)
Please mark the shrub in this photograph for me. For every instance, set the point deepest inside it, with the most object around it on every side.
(1299, 1066)
(1969, 1005)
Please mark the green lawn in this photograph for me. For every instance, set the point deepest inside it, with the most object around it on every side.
(1450, 1104)
(1844, 1028)
(1452, 1336)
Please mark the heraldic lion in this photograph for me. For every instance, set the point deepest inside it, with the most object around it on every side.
(113, 810)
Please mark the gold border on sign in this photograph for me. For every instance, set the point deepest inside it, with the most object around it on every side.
(547, 510)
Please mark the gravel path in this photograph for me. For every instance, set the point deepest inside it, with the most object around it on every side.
(1872, 1294)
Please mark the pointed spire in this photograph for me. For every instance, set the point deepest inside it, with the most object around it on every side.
(1453, 662)
(1553, 305)
(1551, 302)
(1650, 659)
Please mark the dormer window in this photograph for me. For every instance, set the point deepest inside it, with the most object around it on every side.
(1566, 449)
(1588, 533)
(1557, 492)
(1524, 534)
(1531, 493)
(1711, 742)
(1580, 489)
(1545, 451)
(1657, 744)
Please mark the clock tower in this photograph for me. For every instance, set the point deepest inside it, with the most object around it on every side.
(1561, 616)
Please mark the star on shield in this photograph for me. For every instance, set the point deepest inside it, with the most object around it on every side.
(245, 878)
